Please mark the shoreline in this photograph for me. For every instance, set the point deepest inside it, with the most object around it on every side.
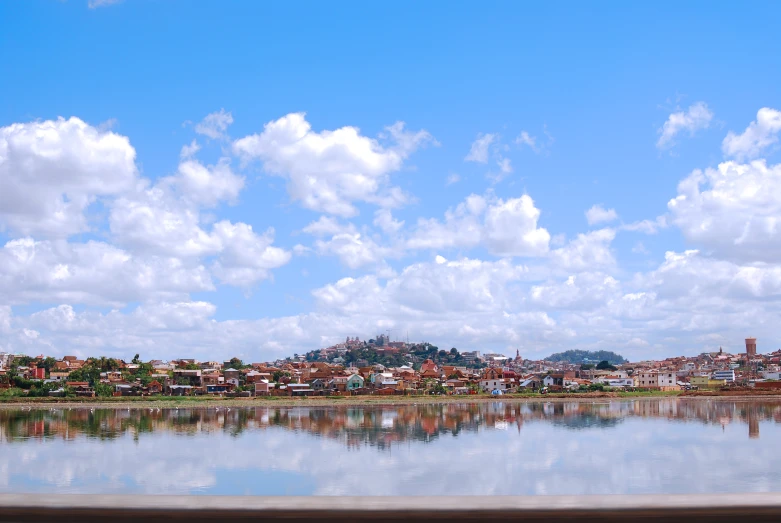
(355, 401)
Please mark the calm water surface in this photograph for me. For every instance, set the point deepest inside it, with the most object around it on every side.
(608, 447)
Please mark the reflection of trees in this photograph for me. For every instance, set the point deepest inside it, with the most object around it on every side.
(380, 426)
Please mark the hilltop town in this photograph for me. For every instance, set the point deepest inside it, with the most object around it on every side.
(381, 367)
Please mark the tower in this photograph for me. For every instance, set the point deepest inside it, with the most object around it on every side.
(751, 348)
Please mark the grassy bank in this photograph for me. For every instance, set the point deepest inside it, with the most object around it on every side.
(212, 401)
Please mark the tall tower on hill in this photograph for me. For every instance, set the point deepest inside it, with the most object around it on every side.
(751, 347)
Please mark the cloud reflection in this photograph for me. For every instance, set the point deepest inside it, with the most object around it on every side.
(615, 447)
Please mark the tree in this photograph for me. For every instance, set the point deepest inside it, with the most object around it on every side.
(237, 364)
(89, 373)
(104, 390)
(453, 376)
(136, 359)
(48, 363)
(605, 365)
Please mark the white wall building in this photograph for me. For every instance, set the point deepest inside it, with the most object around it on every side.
(495, 384)
(616, 381)
(655, 379)
(728, 375)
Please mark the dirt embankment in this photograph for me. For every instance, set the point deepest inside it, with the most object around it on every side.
(731, 393)
(217, 402)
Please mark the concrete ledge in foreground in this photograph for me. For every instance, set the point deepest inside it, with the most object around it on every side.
(711, 508)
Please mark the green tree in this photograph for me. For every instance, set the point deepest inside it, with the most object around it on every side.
(237, 364)
(104, 390)
(605, 365)
(136, 359)
(48, 364)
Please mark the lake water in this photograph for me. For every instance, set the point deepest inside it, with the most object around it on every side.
(607, 447)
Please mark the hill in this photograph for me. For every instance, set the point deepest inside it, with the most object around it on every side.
(587, 356)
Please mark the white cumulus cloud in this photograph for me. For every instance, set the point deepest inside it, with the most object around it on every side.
(329, 171)
(598, 214)
(697, 117)
(759, 135)
(733, 210)
(479, 150)
(215, 125)
(52, 171)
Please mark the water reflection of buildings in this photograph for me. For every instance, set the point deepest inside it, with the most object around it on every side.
(378, 427)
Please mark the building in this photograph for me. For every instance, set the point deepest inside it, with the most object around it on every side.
(615, 381)
(231, 373)
(656, 379)
(355, 381)
(490, 385)
(471, 357)
(751, 348)
(188, 377)
(727, 375)
(263, 388)
(706, 382)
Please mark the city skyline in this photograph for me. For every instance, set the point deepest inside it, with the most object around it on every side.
(192, 180)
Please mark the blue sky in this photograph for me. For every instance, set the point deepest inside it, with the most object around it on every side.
(571, 101)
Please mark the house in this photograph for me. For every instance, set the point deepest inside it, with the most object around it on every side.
(355, 381)
(180, 390)
(728, 375)
(492, 373)
(219, 388)
(58, 376)
(81, 388)
(338, 383)
(263, 388)
(231, 374)
(490, 385)
(384, 380)
(155, 387)
(318, 385)
(456, 386)
(188, 377)
(128, 389)
(656, 379)
(211, 378)
(253, 376)
(706, 382)
(554, 380)
(530, 383)
(299, 389)
(615, 381)
(431, 374)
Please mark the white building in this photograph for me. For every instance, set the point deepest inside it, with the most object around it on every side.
(728, 375)
(655, 379)
(495, 384)
(616, 381)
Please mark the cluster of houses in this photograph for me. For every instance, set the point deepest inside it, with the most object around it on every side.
(502, 375)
